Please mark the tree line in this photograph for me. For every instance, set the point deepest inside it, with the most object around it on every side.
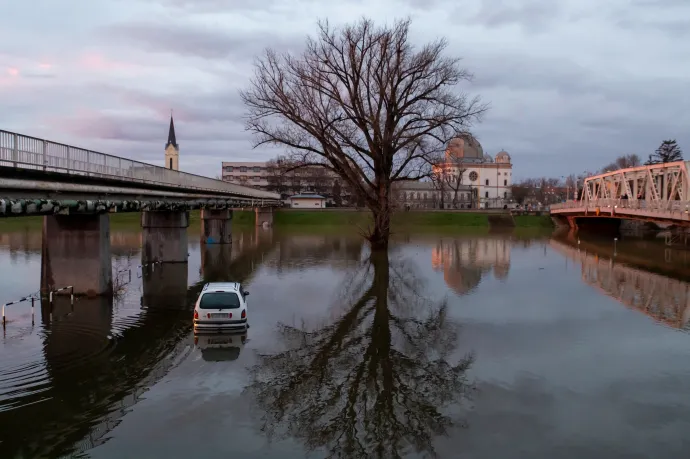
(549, 190)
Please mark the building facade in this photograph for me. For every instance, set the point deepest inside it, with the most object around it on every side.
(308, 201)
(427, 195)
(172, 149)
(466, 164)
(267, 175)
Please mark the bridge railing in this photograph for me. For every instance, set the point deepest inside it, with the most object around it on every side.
(24, 152)
(635, 204)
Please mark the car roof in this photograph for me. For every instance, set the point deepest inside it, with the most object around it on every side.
(222, 286)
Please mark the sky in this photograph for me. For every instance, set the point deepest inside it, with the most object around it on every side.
(571, 83)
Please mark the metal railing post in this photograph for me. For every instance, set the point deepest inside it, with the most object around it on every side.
(15, 151)
(45, 162)
(68, 160)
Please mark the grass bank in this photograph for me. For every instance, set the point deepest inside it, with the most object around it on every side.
(327, 218)
(533, 221)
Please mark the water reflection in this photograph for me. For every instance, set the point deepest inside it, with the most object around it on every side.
(69, 381)
(220, 347)
(465, 261)
(664, 299)
(373, 383)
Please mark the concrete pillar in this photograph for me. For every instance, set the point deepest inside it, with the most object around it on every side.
(164, 236)
(216, 226)
(165, 286)
(264, 216)
(216, 263)
(76, 252)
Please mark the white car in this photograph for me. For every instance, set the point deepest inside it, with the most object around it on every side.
(221, 306)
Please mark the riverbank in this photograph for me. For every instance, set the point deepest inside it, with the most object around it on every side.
(327, 218)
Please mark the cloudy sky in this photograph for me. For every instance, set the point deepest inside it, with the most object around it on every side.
(571, 83)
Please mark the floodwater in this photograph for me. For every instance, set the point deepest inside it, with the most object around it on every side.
(485, 346)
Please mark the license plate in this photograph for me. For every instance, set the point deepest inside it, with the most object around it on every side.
(218, 315)
(219, 341)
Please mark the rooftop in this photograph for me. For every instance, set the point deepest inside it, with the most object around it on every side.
(224, 286)
(307, 196)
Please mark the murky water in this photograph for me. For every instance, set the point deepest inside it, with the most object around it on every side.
(481, 346)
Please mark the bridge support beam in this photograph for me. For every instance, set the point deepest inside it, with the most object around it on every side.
(76, 252)
(264, 216)
(216, 226)
(164, 236)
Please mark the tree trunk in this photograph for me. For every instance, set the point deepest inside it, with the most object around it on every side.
(382, 218)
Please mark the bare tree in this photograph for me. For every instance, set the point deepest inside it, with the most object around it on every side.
(337, 193)
(277, 179)
(364, 103)
(623, 162)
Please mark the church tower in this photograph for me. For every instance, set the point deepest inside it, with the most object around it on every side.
(172, 149)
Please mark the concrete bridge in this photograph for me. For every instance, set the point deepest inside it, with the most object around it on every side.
(75, 189)
(655, 193)
(664, 299)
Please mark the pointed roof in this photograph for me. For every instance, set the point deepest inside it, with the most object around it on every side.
(171, 135)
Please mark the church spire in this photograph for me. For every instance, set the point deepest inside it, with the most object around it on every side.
(171, 134)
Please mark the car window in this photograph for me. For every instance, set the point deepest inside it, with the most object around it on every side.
(219, 300)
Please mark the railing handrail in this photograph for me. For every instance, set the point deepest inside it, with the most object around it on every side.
(229, 188)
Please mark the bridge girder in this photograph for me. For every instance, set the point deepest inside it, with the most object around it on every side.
(653, 183)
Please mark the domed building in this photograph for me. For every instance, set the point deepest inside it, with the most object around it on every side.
(467, 166)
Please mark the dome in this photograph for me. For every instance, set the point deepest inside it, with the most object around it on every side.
(488, 158)
(502, 157)
(465, 147)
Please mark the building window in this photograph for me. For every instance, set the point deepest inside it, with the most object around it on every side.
(243, 169)
(228, 168)
(256, 178)
(486, 182)
(505, 194)
(486, 194)
(474, 176)
(170, 163)
(256, 169)
(505, 183)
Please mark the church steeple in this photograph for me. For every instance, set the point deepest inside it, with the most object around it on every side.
(172, 149)
(171, 135)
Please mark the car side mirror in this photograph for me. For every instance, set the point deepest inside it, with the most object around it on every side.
(246, 293)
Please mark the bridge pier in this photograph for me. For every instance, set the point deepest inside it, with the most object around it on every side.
(264, 216)
(76, 252)
(164, 236)
(216, 226)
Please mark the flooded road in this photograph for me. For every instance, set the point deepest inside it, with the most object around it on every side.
(479, 346)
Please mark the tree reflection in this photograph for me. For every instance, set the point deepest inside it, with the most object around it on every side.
(372, 383)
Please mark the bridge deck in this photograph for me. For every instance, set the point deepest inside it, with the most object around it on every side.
(54, 161)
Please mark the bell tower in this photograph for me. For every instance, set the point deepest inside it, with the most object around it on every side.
(172, 149)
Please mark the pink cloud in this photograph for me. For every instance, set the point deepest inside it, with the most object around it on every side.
(13, 71)
(45, 66)
(97, 62)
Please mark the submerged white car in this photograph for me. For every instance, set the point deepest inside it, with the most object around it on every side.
(221, 306)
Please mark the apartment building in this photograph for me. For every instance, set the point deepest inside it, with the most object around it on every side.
(266, 176)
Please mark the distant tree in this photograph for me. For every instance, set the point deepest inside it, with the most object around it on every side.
(337, 193)
(520, 192)
(276, 175)
(623, 162)
(367, 104)
(668, 152)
